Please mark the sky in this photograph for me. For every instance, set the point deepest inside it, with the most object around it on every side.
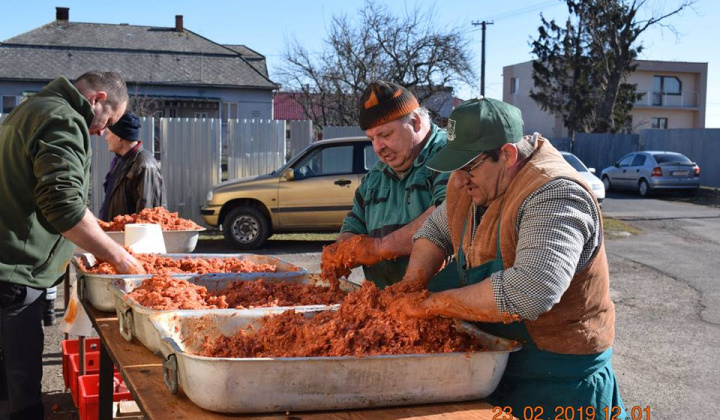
(267, 27)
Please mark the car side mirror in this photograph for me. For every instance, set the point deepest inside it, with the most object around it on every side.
(288, 175)
(617, 164)
(591, 170)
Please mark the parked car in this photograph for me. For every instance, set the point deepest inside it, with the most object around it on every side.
(313, 192)
(651, 171)
(588, 173)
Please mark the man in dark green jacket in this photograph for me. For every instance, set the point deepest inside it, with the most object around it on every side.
(44, 176)
(397, 194)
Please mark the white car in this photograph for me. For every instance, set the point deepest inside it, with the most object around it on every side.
(589, 175)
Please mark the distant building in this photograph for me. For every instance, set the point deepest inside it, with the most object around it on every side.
(170, 71)
(674, 96)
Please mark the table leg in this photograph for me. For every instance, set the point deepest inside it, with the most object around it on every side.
(66, 292)
(81, 354)
(105, 398)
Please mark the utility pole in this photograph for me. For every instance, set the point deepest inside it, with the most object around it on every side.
(483, 24)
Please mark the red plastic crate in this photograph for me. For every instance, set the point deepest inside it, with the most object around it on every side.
(89, 395)
(92, 365)
(70, 347)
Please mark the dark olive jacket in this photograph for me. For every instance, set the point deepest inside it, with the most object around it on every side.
(44, 171)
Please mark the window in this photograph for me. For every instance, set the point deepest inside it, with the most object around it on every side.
(626, 160)
(8, 103)
(255, 114)
(325, 161)
(658, 122)
(665, 85)
(201, 115)
(671, 158)
(229, 111)
(369, 157)
(514, 85)
(639, 160)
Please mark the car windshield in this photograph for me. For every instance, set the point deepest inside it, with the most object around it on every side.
(575, 162)
(670, 157)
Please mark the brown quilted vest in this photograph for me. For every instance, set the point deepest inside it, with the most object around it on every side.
(583, 322)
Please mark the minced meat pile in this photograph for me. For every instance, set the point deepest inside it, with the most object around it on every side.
(166, 293)
(363, 326)
(156, 264)
(156, 215)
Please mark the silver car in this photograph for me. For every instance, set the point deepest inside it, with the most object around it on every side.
(589, 175)
(650, 171)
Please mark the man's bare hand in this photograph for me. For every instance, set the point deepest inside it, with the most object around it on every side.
(129, 264)
(414, 305)
(341, 257)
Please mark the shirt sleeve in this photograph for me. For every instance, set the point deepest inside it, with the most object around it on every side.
(558, 231)
(355, 220)
(439, 188)
(59, 160)
(436, 230)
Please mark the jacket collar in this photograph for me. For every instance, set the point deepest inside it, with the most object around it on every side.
(62, 88)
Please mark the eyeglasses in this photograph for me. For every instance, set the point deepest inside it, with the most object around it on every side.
(471, 168)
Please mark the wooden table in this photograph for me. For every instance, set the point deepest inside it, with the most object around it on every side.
(142, 372)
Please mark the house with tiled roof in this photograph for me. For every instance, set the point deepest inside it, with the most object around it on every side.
(178, 72)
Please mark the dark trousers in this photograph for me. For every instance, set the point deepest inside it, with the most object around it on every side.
(21, 349)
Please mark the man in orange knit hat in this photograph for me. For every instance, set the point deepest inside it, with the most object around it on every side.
(397, 195)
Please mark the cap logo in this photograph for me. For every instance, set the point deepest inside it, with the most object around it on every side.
(372, 101)
(451, 130)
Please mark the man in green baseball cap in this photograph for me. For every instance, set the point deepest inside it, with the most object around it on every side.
(526, 233)
(475, 127)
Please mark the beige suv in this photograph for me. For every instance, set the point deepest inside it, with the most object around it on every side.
(313, 192)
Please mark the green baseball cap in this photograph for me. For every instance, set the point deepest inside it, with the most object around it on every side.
(474, 127)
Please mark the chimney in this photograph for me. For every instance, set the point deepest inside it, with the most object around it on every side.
(178, 23)
(62, 13)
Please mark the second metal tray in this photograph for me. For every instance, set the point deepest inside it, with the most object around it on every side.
(134, 318)
(95, 288)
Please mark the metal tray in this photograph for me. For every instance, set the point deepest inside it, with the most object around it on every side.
(134, 318)
(264, 385)
(95, 288)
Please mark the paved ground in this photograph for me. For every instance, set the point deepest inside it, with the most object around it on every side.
(666, 286)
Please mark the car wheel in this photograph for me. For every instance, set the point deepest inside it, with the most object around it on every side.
(644, 189)
(606, 183)
(246, 228)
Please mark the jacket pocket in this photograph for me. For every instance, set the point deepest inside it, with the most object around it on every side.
(379, 195)
(53, 251)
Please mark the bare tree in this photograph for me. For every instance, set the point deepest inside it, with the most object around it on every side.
(582, 67)
(412, 50)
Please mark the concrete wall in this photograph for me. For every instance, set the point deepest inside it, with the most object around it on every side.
(252, 103)
(534, 118)
(682, 111)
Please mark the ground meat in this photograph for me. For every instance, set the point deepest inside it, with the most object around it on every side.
(157, 264)
(248, 294)
(166, 293)
(363, 326)
(156, 215)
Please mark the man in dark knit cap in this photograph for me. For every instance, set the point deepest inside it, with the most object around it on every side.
(398, 193)
(134, 181)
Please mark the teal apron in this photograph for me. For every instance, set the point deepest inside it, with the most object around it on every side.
(541, 384)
